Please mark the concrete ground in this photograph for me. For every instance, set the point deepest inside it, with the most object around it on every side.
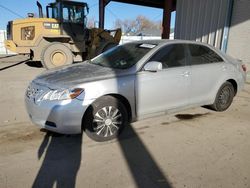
(194, 148)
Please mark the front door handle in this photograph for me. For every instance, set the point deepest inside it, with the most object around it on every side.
(186, 73)
(224, 67)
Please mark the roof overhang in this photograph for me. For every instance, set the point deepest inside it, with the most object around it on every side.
(147, 3)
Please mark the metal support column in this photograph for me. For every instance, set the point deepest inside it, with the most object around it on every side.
(227, 26)
(166, 20)
(5, 38)
(101, 13)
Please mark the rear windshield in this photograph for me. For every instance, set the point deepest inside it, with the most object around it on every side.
(124, 56)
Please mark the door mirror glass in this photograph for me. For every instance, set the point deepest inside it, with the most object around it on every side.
(153, 66)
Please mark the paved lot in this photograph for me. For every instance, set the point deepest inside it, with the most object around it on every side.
(194, 148)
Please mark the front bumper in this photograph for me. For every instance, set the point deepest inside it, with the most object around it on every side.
(10, 45)
(58, 116)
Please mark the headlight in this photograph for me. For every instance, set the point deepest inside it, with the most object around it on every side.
(62, 94)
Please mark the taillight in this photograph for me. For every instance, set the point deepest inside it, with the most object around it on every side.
(244, 67)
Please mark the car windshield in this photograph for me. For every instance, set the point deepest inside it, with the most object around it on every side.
(123, 56)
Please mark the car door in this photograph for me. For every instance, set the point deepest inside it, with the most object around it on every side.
(206, 70)
(164, 89)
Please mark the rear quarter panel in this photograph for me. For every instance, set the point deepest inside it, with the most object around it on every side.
(231, 73)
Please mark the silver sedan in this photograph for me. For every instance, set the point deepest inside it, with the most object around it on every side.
(131, 82)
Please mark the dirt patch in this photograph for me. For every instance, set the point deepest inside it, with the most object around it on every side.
(16, 137)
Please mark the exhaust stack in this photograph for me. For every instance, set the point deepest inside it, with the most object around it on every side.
(40, 9)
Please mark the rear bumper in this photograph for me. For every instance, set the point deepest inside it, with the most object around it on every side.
(58, 116)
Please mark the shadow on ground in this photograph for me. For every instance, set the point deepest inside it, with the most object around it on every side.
(144, 169)
(62, 159)
(62, 156)
(13, 65)
(190, 116)
(7, 56)
(35, 64)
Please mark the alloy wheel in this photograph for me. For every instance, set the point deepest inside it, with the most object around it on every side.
(107, 121)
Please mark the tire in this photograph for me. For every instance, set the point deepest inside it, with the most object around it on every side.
(105, 119)
(56, 54)
(224, 97)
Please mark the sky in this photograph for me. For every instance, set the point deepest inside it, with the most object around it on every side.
(114, 11)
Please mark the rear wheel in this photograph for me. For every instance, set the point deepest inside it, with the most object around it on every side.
(105, 119)
(56, 54)
(224, 97)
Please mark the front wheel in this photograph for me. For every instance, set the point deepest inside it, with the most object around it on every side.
(56, 54)
(224, 97)
(105, 119)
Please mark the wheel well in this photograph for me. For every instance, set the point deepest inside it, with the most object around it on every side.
(233, 82)
(117, 96)
(125, 102)
(57, 39)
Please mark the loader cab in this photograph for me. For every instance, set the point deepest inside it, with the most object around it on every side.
(72, 17)
(68, 12)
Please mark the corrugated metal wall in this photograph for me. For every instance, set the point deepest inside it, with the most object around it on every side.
(203, 20)
(239, 33)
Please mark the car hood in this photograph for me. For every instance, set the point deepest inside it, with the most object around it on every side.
(73, 75)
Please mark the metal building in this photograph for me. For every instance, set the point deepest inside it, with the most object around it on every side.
(239, 32)
(224, 24)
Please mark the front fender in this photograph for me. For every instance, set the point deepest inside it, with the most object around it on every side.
(123, 86)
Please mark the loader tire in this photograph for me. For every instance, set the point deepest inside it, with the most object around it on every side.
(56, 54)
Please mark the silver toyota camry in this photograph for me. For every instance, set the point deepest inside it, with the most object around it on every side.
(131, 82)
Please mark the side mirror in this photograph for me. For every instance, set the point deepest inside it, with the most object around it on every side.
(153, 66)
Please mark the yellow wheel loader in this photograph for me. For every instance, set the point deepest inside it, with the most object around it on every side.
(60, 37)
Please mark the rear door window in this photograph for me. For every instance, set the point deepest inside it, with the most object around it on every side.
(172, 55)
(202, 55)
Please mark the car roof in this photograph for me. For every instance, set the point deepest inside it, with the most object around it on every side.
(165, 41)
(162, 42)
